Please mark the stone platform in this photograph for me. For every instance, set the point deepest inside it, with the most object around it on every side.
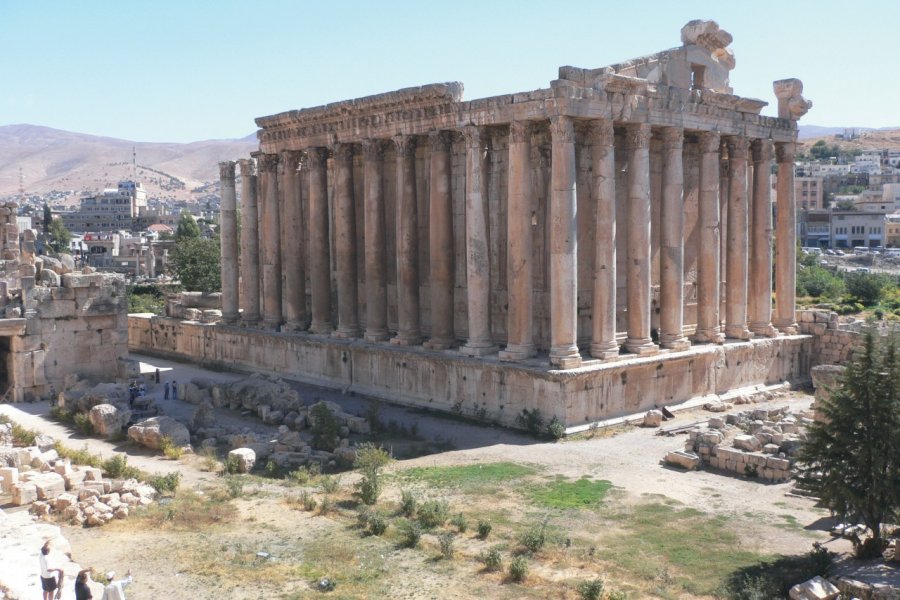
(483, 387)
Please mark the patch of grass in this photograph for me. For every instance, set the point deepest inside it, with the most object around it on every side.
(433, 513)
(562, 494)
(187, 511)
(472, 478)
(773, 579)
(78, 456)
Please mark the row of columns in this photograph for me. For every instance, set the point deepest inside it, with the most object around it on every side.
(277, 246)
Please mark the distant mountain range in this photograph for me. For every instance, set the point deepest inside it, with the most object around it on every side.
(806, 132)
(52, 159)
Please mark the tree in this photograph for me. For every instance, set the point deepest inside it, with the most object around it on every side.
(867, 287)
(851, 456)
(195, 262)
(187, 227)
(48, 219)
(59, 237)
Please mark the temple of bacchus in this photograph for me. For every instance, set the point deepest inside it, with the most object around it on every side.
(591, 249)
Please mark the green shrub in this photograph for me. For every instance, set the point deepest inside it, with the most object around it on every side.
(555, 429)
(617, 595)
(433, 513)
(299, 476)
(409, 502)
(82, 456)
(816, 282)
(165, 483)
(534, 539)
(325, 427)
(62, 414)
(326, 505)
(530, 420)
(377, 524)
(330, 484)
(484, 529)
(210, 459)
(169, 449)
(370, 460)
(308, 501)
(410, 533)
(235, 486)
(492, 559)
(117, 467)
(518, 569)
(232, 465)
(22, 436)
(446, 542)
(459, 521)
(83, 424)
(868, 287)
(590, 590)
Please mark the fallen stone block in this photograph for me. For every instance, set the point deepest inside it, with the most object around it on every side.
(653, 418)
(816, 588)
(10, 477)
(49, 485)
(747, 442)
(680, 458)
(244, 459)
(24, 493)
(74, 479)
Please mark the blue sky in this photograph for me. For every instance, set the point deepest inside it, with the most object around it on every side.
(189, 70)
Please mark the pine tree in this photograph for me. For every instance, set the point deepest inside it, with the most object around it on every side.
(851, 457)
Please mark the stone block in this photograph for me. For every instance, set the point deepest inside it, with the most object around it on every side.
(816, 588)
(24, 493)
(49, 485)
(778, 463)
(653, 418)
(716, 423)
(74, 479)
(747, 442)
(62, 467)
(10, 477)
(244, 458)
(680, 458)
(91, 473)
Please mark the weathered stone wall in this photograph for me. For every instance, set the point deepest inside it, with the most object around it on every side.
(483, 388)
(834, 341)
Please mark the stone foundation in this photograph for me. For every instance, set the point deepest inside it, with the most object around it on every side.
(483, 388)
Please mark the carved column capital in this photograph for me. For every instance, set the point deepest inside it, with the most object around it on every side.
(709, 142)
(226, 170)
(672, 138)
(784, 152)
(373, 149)
(267, 163)
(738, 147)
(406, 144)
(317, 157)
(562, 129)
(473, 136)
(440, 140)
(342, 151)
(519, 132)
(762, 150)
(290, 159)
(637, 135)
(248, 167)
(602, 136)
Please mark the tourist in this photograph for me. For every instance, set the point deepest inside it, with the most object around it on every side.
(82, 587)
(49, 583)
(115, 590)
(174, 390)
(166, 391)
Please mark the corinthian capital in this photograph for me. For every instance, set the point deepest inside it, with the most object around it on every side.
(472, 135)
(342, 151)
(637, 135)
(317, 157)
(672, 138)
(440, 140)
(373, 149)
(762, 151)
(784, 152)
(562, 129)
(709, 142)
(290, 160)
(406, 145)
(268, 163)
(602, 135)
(738, 147)
(226, 170)
(519, 132)
(248, 167)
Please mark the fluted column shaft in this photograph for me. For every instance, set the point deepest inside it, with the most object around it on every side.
(249, 243)
(708, 284)
(345, 243)
(376, 279)
(563, 247)
(760, 307)
(738, 244)
(408, 323)
(638, 246)
(603, 163)
(671, 276)
(228, 243)
(440, 239)
(478, 266)
(319, 261)
(785, 248)
(292, 240)
(520, 336)
(270, 235)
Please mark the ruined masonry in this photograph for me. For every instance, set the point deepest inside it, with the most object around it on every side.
(592, 249)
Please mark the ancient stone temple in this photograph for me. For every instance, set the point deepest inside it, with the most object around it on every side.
(588, 249)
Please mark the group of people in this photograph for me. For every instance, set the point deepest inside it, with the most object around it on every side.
(52, 584)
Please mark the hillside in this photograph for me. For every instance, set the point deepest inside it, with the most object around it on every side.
(869, 139)
(52, 159)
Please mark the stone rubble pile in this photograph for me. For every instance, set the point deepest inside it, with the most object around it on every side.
(760, 443)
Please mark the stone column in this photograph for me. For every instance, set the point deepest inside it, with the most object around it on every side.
(603, 334)
(671, 276)
(376, 279)
(478, 266)
(736, 281)
(563, 247)
(440, 239)
(760, 306)
(345, 242)
(520, 336)
(292, 239)
(785, 241)
(408, 328)
(319, 261)
(270, 235)
(249, 244)
(229, 244)
(708, 285)
(638, 237)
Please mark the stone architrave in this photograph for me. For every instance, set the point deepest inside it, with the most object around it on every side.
(638, 240)
(760, 299)
(270, 235)
(249, 244)
(345, 243)
(671, 276)
(603, 335)
(319, 261)
(736, 282)
(708, 287)
(440, 238)
(228, 243)
(563, 246)
(785, 249)
(376, 279)
(408, 326)
(478, 266)
(292, 242)
(520, 337)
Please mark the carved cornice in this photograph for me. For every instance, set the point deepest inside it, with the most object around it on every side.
(248, 167)
(405, 144)
(784, 152)
(709, 142)
(762, 151)
(267, 163)
(562, 130)
(672, 138)
(519, 132)
(373, 149)
(342, 152)
(738, 147)
(637, 136)
(226, 170)
(440, 140)
(318, 157)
